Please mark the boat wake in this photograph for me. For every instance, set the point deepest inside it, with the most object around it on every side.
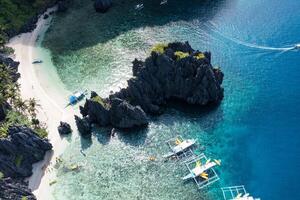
(214, 29)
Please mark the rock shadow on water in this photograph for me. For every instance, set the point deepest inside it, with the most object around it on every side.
(133, 137)
(84, 28)
(208, 117)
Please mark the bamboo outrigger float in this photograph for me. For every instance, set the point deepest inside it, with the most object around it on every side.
(201, 170)
(236, 193)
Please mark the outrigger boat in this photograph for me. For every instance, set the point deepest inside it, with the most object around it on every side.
(163, 2)
(139, 6)
(37, 61)
(180, 146)
(200, 170)
(297, 46)
(76, 97)
(236, 193)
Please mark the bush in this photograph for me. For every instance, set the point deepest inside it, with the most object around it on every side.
(199, 56)
(159, 48)
(18, 160)
(180, 55)
(99, 100)
(1, 176)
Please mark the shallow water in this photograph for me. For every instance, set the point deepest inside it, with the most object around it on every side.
(254, 131)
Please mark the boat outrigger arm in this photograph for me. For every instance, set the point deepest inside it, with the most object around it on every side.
(236, 193)
(180, 147)
(200, 170)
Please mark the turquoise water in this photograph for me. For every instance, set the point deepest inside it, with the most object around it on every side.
(255, 131)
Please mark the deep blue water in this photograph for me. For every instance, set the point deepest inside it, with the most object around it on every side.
(256, 129)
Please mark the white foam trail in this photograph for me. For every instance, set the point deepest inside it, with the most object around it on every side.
(214, 29)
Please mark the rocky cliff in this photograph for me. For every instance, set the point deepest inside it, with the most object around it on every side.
(18, 152)
(172, 71)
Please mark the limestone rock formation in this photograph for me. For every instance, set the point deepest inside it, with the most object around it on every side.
(14, 189)
(20, 150)
(172, 71)
(83, 125)
(64, 128)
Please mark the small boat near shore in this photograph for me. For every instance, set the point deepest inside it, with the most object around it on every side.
(178, 146)
(76, 97)
(200, 170)
(37, 62)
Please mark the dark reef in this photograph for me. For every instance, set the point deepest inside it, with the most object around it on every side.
(173, 71)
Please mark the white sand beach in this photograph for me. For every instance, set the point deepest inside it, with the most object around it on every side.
(41, 82)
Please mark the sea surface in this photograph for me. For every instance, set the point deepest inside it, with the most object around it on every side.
(255, 131)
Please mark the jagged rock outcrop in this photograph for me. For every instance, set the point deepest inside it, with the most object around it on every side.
(125, 115)
(64, 128)
(13, 189)
(102, 5)
(173, 71)
(20, 150)
(12, 66)
(83, 125)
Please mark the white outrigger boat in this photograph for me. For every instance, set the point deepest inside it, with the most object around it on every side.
(179, 145)
(139, 6)
(297, 46)
(200, 170)
(236, 193)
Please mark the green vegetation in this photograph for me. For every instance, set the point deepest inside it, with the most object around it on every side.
(159, 48)
(22, 112)
(180, 55)
(18, 160)
(1, 176)
(199, 56)
(24, 198)
(16, 13)
(101, 101)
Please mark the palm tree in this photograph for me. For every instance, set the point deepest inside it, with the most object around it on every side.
(20, 105)
(32, 107)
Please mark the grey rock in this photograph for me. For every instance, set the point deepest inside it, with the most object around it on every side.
(64, 128)
(14, 189)
(83, 125)
(125, 115)
(20, 150)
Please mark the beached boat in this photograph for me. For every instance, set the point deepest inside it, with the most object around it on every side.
(178, 145)
(37, 61)
(76, 97)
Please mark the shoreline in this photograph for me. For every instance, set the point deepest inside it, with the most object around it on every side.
(42, 83)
